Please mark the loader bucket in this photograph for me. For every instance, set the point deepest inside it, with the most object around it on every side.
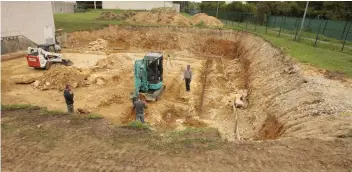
(67, 62)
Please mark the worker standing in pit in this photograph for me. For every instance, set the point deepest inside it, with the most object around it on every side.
(140, 105)
(188, 77)
(68, 94)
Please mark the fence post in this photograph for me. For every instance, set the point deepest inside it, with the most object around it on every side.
(284, 18)
(316, 39)
(296, 31)
(326, 23)
(239, 20)
(255, 23)
(295, 26)
(232, 20)
(344, 42)
(343, 32)
(267, 21)
(228, 16)
(246, 23)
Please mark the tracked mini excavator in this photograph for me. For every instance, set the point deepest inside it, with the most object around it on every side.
(148, 77)
(44, 56)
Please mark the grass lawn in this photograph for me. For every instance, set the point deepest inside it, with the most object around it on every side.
(325, 56)
(83, 21)
(186, 15)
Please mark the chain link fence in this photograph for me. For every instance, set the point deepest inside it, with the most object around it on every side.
(336, 35)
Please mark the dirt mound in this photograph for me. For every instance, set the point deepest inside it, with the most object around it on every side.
(160, 16)
(112, 16)
(125, 15)
(98, 45)
(107, 16)
(162, 39)
(202, 18)
(58, 76)
(164, 10)
(115, 61)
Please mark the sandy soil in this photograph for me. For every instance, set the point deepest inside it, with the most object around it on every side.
(225, 63)
(283, 102)
(33, 140)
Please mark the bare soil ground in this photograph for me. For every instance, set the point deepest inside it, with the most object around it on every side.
(307, 114)
(33, 139)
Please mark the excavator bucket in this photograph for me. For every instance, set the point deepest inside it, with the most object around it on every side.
(67, 62)
(155, 95)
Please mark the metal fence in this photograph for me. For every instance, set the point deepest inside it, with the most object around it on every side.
(326, 33)
(13, 44)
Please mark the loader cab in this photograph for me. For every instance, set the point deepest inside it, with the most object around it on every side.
(154, 68)
(48, 47)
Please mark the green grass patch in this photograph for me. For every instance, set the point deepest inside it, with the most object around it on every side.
(138, 125)
(327, 56)
(46, 111)
(71, 22)
(186, 15)
(201, 24)
(202, 138)
(15, 107)
(94, 116)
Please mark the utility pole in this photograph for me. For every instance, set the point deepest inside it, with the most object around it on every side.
(302, 23)
(217, 10)
(95, 5)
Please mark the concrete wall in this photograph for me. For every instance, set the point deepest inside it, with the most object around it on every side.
(137, 5)
(34, 20)
(63, 6)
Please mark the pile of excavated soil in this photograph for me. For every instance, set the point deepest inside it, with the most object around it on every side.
(112, 67)
(160, 17)
(196, 41)
(207, 20)
(58, 76)
(113, 61)
(107, 16)
(98, 45)
(164, 10)
(112, 16)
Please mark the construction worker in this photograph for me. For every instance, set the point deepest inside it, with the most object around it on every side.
(140, 105)
(188, 77)
(68, 94)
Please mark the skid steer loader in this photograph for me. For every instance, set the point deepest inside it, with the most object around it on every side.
(42, 58)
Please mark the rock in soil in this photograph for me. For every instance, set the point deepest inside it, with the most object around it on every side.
(81, 111)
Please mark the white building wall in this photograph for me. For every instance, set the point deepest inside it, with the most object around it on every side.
(63, 6)
(136, 5)
(32, 19)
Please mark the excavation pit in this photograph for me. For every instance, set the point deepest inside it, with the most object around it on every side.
(280, 102)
